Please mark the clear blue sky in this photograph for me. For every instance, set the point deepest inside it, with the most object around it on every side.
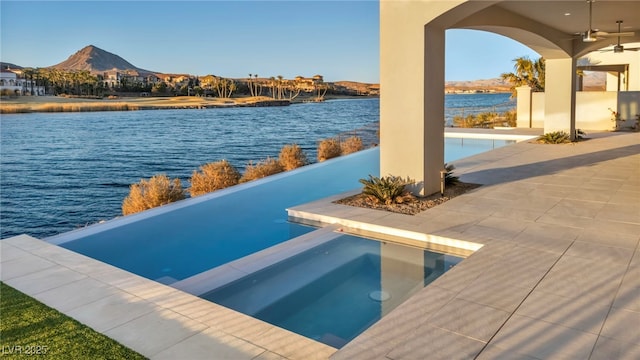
(337, 39)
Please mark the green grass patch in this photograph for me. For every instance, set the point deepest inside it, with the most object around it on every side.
(31, 329)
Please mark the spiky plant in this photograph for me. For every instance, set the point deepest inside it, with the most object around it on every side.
(388, 189)
(292, 157)
(511, 118)
(147, 194)
(213, 176)
(449, 178)
(556, 137)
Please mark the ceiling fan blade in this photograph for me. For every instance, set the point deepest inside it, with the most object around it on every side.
(606, 34)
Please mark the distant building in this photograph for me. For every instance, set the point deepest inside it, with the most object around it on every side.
(13, 84)
(115, 78)
(308, 84)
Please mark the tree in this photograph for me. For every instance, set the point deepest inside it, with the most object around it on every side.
(280, 85)
(526, 72)
(27, 85)
(159, 88)
(291, 89)
(257, 87)
(273, 86)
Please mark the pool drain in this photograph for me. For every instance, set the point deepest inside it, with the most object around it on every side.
(379, 295)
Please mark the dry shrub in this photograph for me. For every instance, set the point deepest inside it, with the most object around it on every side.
(147, 194)
(81, 107)
(213, 176)
(14, 109)
(328, 149)
(292, 157)
(351, 144)
(262, 169)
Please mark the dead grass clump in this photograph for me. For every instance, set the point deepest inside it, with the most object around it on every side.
(80, 107)
(147, 194)
(328, 149)
(292, 157)
(262, 169)
(350, 145)
(14, 109)
(213, 176)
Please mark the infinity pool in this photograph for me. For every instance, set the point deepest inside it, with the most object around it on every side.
(179, 240)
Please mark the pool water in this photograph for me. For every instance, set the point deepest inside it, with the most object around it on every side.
(182, 239)
(335, 291)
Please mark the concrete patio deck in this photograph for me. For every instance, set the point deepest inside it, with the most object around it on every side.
(557, 277)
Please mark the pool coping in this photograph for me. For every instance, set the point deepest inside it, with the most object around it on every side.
(222, 275)
(156, 320)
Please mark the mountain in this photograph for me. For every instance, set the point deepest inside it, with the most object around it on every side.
(6, 65)
(361, 88)
(497, 85)
(97, 61)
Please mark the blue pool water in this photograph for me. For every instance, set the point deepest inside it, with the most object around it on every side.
(335, 291)
(186, 238)
(180, 240)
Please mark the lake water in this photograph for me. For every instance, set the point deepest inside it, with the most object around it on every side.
(61, 171)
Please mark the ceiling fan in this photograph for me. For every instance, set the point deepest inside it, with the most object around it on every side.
(592, 35)
(618, 48)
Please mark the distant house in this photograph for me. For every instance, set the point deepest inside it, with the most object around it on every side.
(114, 78)
(12, 83)
(308, 84)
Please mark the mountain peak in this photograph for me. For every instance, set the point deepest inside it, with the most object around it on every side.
(96, 60)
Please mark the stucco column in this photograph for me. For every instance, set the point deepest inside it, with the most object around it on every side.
(560, 96)
(433, 137)
(412, 96)
(523, 107)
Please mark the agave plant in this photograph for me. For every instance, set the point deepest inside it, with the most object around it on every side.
(388, 189)
(449, 178)
(556, 137)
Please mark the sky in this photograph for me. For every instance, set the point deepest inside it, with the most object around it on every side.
(336, 39)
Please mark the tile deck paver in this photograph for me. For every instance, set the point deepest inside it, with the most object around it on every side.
(557, 276)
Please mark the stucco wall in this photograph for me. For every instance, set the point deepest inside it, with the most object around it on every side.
(537, 113)
(592, 109)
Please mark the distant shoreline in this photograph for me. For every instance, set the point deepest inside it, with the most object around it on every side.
(39, 104)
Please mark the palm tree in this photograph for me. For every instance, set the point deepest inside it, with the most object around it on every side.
(257, 87)
(279, 84)
(291, 89)
(527, 72)
(250, 85)
(231, 87)
(272, 85)
(27, 84)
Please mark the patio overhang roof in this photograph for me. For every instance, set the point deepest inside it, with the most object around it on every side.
(412, 44)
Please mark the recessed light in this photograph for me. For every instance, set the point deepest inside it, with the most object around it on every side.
(567, 14)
